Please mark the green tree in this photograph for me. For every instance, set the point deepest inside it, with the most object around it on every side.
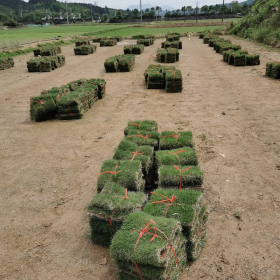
(135, 13)
(104, 18)
(184, 9)
(158, 9)
(205, 9)
(189, 9)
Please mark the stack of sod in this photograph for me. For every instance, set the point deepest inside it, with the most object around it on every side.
(45, 64)
(127, 49)
(186, 207)
(6, 63)
(33, 65)
(143, 137)
(127, 173)
(111, 64)
(42, 108)
(252, 59)
(145, 42)
(82, 42)
(146, 125)
(275, 70)
(173, 81)
(108, 210)
(47, 51)
(239, 59)
(137, 256)
(137, 49)
(96, 40)
(172, 37)
(117, 38)
(126, 62)
(161, 53)
(180, 156)
(172, 140)
(155, 79)
(108, 43)
(101, 84)
(61, 60)
(268, 68)
(85, 49)
(74, 105)
(128, 150)
(151, 67)
(172, 55)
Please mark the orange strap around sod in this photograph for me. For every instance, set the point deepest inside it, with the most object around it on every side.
(166, 201)
(138, 271)
(111, 218)
(135, 124)
(147, 230)
(125, 195)
(111, 172)
(141, 136)
(135, 154)
(39, 102)
(181, 173)
(172, 135)
(176, 154)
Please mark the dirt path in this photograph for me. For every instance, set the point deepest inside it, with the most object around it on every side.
(48, 170)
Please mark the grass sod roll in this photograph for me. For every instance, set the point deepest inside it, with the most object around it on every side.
(112, 64)
(173, 140)
(127, 49)
(128, 247)
(142, 137)
(42, 108)
(275, 70)
(108, 210)
(128, 150)
(173, 81)
(161, 53)
(172, 55)
(252, 59)
(239, 59)
(101, 83)
(126, 62)
(82, 42)
(181, 156)
(147, 125)
(108, 42)
(268, 68)
(6, 63)
(155, 80)
(178, 176)
(127, 173)
(137, 49)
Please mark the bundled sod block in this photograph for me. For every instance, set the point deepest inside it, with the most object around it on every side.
(268, 68)
(146, 125)
(180, 177)
(275, 70)
(137, 49)
(136, 255)
(146, 42)
(161, 53)
(127, 49)
(172, 55)
(185, 206)
(82, 42)
(127, 173)
(173, 81)
(96, 40)
(170, 37)
(173, 140)
(6, 63)
(128, 150)
(101, 84)
(45, 64)
(142, 137)
(108, 210)
(108, 42)
(47, 51)
(85, 49)
(42, 108)
(126, 63)
(181, 156)
(239, 59)
(111, 64)
(155, 79)
(252, 59)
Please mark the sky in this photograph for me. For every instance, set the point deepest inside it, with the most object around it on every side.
(123, 4)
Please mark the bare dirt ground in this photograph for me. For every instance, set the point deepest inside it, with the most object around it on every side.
(48, 170)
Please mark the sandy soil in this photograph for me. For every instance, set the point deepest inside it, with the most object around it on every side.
(48, 170)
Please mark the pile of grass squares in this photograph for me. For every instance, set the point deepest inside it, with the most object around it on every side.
(273, 70)
(122, 63)
(155, 236)
(47, 51)
(133, 49)
(46, 63)
(71, 101)
(6, 63)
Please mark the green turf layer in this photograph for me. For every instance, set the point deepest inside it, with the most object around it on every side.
(142, 137)
(147, 125)
(170, 140)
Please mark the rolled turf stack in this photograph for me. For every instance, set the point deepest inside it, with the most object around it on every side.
(127, 49)
(6, 63)
(82, 42)
(142, 137)
(42, 108)
(47, 51)
(268, 68)
(45, 64)
(33, 65)
(137, 49)
(108, 42)
(126, 62)
(239, 59)
(61, 59)
(149, 247)
(127, 173)
(172, 55)
(146, 42)
(146, 125)
(96, 40)
(173, 140)
(252, 59)
(161, 53)
(275, 70)
(185, 206)
(173, 81)
(111, 64)
(155, 79)
(101, 84)
(172, 37)
(85, 50)
(108, 210)
(128, 150)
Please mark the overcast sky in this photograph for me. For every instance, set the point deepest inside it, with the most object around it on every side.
(123, 4)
